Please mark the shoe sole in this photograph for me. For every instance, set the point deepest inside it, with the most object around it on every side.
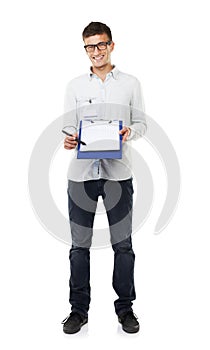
(131, 330)
(66, 331)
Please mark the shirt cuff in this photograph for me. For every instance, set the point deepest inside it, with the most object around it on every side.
(136, 134)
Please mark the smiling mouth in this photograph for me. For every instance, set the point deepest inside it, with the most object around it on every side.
(98, 58)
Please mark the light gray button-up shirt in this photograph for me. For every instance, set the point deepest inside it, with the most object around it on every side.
(119, 97)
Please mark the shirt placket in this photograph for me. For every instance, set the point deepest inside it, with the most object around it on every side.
(97, 163)
(96, 169)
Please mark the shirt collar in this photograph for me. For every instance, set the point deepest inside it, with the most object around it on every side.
(114, 72)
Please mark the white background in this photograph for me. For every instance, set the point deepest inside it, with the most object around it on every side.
(166, 45)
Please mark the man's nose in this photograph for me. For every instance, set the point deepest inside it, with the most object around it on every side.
(96, 49)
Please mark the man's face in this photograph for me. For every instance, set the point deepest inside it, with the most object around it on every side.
(99, 58)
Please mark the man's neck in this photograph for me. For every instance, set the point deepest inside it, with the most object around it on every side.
(101, 72)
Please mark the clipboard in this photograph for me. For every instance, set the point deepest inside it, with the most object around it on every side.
(100, 154)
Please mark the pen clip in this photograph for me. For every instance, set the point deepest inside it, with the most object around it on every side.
(89, 120)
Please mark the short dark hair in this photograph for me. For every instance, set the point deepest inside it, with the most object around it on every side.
(95, 28)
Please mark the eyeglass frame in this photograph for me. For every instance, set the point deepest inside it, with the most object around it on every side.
(96, 45)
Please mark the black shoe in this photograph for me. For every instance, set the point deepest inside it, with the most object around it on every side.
(73, 323)
(129, 322)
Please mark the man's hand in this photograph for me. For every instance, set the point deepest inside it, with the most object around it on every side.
(69, 142)
(125, 131)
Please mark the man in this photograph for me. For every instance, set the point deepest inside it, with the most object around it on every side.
(103, 93)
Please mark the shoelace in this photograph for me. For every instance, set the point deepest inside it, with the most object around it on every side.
(67, 318)
(131, 315)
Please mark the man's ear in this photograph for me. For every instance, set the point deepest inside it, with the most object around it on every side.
(112, 46)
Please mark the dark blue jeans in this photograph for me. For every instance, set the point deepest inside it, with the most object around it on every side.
(118, 201)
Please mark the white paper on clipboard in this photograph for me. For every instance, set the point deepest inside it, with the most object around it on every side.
(100, 135)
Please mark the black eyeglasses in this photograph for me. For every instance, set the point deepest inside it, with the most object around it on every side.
(100, 46)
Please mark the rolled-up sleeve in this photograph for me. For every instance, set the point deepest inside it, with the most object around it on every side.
(138, 124)
(70, 119)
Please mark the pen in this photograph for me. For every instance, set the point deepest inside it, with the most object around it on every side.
(76, 138)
